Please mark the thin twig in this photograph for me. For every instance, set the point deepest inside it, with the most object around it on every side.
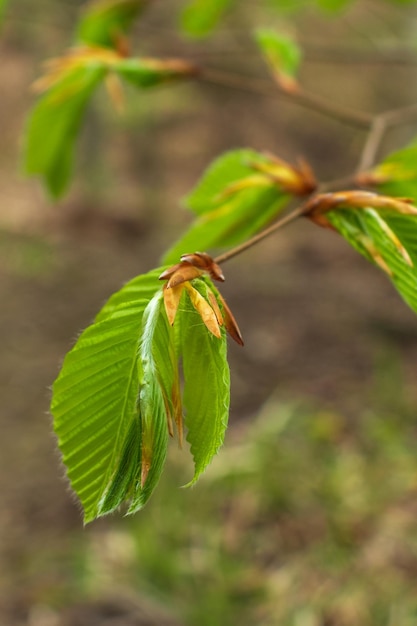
(380, 125)
(329, 56)
(303, 98)
(345, 182)
(402, 115)
(373, 142)
(287, 219)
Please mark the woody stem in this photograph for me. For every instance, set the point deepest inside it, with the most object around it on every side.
(287, 219)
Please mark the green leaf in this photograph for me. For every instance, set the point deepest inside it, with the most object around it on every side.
(3, 7)
(229, 168)
(200, 17)
(333, 5)
(233, 222)
(287, 6)
(105, 21)
(151, 72)
(397, 174)
(54, 123)
(374, 234)
(97, 416)
(156, 342)
(206, 383)
(282, 53)
(232, 202)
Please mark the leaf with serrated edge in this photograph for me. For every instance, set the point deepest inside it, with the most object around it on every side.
(155, 369)
(363, 230)
(95, 408)
(206, 393)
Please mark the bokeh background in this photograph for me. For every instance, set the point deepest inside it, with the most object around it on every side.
(308, 515)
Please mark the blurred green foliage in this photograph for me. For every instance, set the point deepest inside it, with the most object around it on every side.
(200, 17)
(309, 519)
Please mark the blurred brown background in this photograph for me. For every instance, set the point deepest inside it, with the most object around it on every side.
(320, 326)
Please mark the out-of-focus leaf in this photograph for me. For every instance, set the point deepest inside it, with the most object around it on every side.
(105, 22)
(283, 56)
(97, 416)
(396, 175)
(238, 195)
(333, 5)
(3, 7)
(233, 222)
(206, 393)
(145, 72)
(287, 6)
(379, 236)
(243, 171)
(68, 83)
(200, 17)
(53, 126)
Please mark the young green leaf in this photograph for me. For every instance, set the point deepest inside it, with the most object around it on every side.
(3, 7)
(245, 170)
(69, 83)
(156, 384)
(200, 17)
(237, 196)
(379, 236)
(232, 222)
(283, 56)
(99, 412)
(145, 72)
(396, 175)
(333, 5)
(105, 22)
(206, 393)
(54, 123)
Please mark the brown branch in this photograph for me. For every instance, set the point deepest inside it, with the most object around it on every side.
(287, 219)
(303, 98)
(373, 143)
(379, 127)
(336, 56)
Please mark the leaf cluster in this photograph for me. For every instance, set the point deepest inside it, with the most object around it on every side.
(155, 356)
(119, 393)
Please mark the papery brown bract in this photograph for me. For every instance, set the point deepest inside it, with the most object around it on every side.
(216, 308)
(205, 311)
(230, 322)
(206, 263)
(325, 202)
(192, 266)
(179, 276)
(298, 180)
(172, 297)
(180, 273)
